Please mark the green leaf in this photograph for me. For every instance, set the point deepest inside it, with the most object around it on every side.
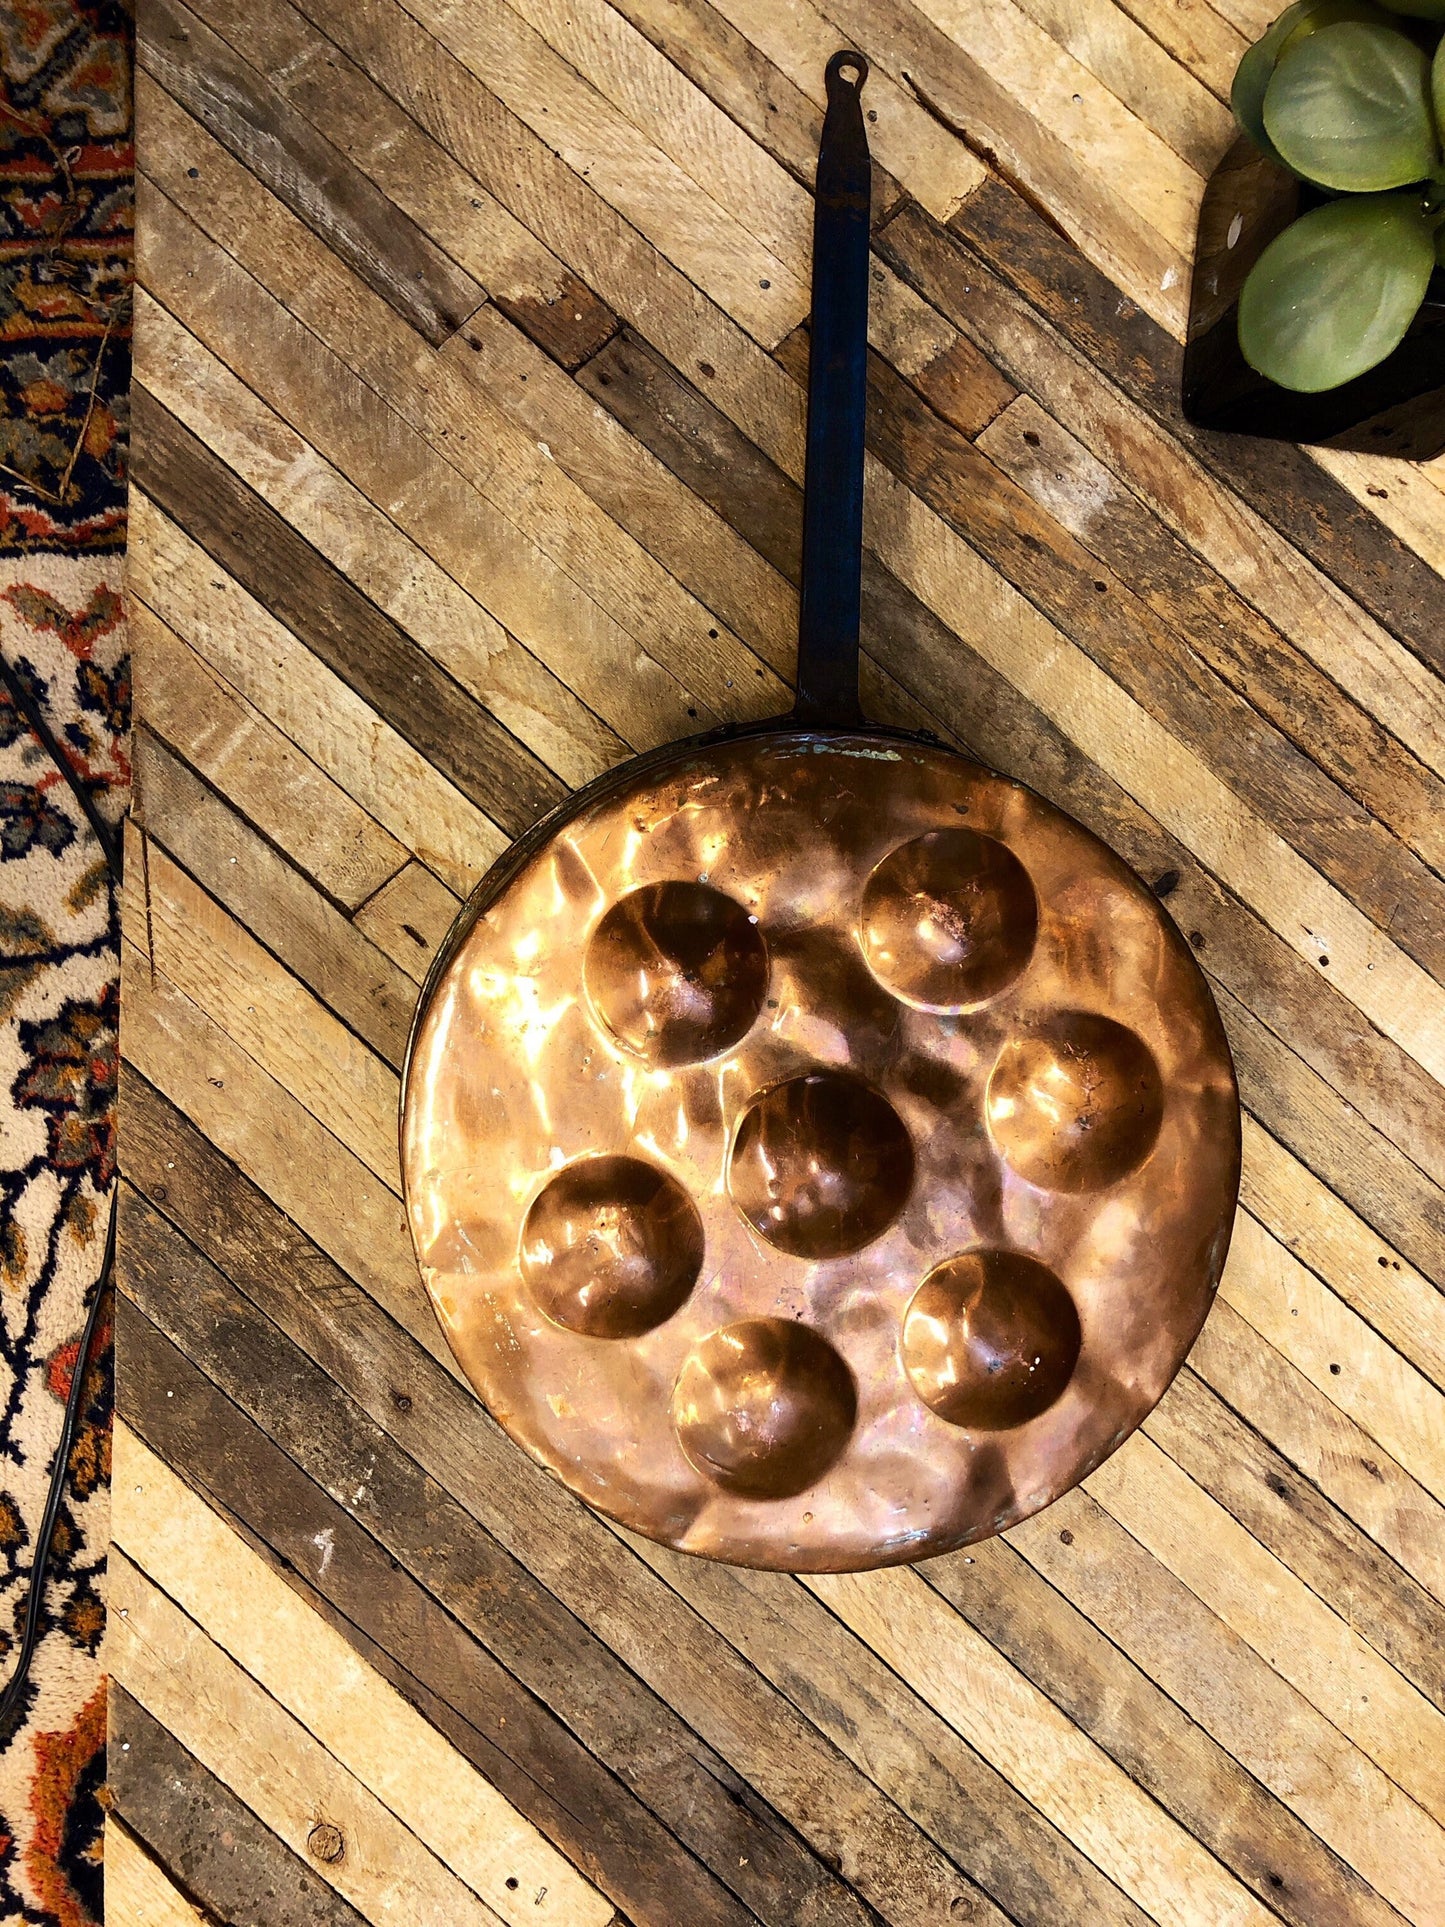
(1349, 107)
(1333, 294)
(1296, 23)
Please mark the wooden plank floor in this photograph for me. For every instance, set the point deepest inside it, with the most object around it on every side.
(468, 437)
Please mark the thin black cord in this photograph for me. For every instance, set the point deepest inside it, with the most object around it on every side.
(74, 1404)
(40, 724)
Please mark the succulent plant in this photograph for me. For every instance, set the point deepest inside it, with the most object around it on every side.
(1350, 97)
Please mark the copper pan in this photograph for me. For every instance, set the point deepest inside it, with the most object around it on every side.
(821, 1151)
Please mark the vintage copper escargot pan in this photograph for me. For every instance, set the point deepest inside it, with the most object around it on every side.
(820, 1151)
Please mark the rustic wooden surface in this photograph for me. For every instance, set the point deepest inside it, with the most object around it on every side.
(468, 443)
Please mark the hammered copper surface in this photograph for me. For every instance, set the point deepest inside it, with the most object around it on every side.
(886, 1265)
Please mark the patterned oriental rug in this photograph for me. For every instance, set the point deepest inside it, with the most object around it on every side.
(66, 166)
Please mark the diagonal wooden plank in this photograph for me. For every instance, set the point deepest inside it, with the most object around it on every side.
(1290, 1627)
(383, 557)
(780, 116)
(340, 626)
(314, 179)
(791, 49)
(186, 1819)
(1036, 349)
(227, 1721)
(1138, 71)
(1197, 36)
(262, 660)
(1238, 1698)
(1324, 1234)
(1304, 1321)
(429, 394)
(136, 1888)
(215, 1579)
(270, 1013)
(310, 73)
(408, 917)
(1323, 1443)
(444, 1669)
(1016, 1726)
(1117, 1703)
(744, 275)
(355, 980)
(238, 751)
(1279, 679)
(1291, 1518)
(273, 1137)
(1278, 480)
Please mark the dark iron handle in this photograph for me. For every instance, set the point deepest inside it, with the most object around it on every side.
(837, 391)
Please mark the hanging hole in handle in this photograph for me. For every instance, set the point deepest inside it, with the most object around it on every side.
(846, 69)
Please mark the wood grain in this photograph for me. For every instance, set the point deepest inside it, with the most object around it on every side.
(471, 342)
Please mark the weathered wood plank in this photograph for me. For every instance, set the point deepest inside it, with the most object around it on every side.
(428, 393)
(218, 1713)
(136, 1889)
(1291, 1518)
(314, 179)
(356, 981)
(341, 627)
(1288, 1625)
(1237, 1698)
(524, 1749)
(1278, 480)
(1287, 1304)
(1282, 785)
(1135, 68)
(270, 1135)
(1301, 599)
(408, 917)
(539, 292)
(233, 1866)
(1112, 184)
(387, 551)
(1276, 677)
(262, 660)
(1324, 1234)
(796, 43)
(998, 1710)
(246, 757)
(1199, 39)
(1335, 1453)
(189, 938)
(214, 1578)
(780, 116)
(1116, 1702)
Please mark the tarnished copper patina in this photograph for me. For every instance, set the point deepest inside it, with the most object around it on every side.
(821, 1151)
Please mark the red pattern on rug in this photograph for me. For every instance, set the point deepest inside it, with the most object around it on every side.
(66, 197)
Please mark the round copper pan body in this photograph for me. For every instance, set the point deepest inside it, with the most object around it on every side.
(820, 1151)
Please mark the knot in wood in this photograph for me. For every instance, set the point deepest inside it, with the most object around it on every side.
(326, 1842)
